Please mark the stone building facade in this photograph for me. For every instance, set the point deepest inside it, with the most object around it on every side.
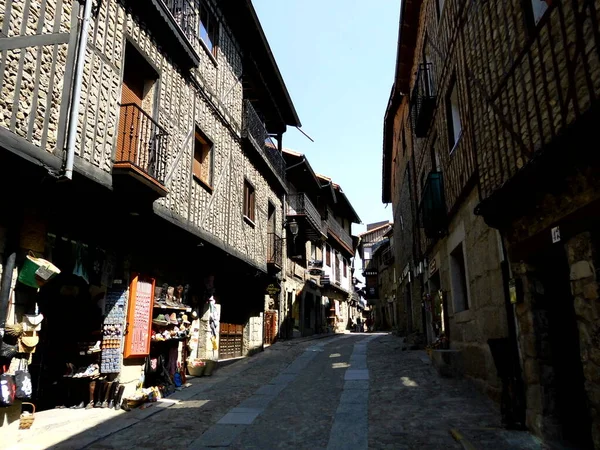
(319, 250)
(490, 116)
(177, 129)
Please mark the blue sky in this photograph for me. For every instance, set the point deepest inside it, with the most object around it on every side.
(337, 58)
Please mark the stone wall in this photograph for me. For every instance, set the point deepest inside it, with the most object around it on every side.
(583, 253)
(485, 317)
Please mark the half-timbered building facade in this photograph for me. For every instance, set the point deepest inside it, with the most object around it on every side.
(147, 132)
(486, 150)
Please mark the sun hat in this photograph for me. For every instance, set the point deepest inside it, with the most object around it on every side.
(160, 320)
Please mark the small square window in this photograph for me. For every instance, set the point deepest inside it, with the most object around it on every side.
(202, 167)
(209, 28)
(249, 200)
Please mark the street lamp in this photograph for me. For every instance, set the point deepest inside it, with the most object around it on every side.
(294, 228)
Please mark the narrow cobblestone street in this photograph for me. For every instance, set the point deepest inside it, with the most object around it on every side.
(344, 392)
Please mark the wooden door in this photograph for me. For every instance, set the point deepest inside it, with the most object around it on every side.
(132, 95)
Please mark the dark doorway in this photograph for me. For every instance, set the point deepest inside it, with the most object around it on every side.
(565, 401)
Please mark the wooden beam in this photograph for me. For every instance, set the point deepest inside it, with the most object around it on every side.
(35, 40)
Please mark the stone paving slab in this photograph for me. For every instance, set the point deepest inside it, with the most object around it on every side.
(356, 374)
(240, 418)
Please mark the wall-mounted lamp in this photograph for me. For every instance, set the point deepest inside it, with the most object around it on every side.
(294, 228)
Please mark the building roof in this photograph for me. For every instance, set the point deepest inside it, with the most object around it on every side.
(299, 171)
(407, 40)
(374, 230)
(340, 198)
(242, 18)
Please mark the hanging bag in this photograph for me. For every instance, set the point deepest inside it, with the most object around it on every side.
(7, 390)
(23, 386)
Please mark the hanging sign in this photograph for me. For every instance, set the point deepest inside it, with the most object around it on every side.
(139, 317)
(272, 289)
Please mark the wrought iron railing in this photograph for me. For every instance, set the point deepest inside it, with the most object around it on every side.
(422, 99)
(186, 16)
(300, 204)
(254, 129)
(275, 250)
(142, 142)
(335, 228)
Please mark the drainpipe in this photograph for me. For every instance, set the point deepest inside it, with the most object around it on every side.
(76, 95)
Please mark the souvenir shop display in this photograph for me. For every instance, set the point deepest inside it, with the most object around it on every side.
(113, 329)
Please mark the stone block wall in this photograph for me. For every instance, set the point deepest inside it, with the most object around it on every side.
(469, 330)
(583, 254)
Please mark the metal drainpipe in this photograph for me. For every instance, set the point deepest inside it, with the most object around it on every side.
(76, 96)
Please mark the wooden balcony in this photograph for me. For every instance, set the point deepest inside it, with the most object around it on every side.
(339, 234)
(300, 207)
(254, 130)
(422, 100)
(141, 158)
(274, 251)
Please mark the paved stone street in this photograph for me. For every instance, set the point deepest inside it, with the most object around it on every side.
(353, 391)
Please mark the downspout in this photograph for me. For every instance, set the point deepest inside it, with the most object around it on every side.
(76, 95)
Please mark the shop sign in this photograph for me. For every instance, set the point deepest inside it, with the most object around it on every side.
(273, 290)
(139, 317)
(432, 266)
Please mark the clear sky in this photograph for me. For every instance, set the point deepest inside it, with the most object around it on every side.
(337, 58)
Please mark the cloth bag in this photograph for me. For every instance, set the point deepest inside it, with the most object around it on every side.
(7, 390)
(23, 386)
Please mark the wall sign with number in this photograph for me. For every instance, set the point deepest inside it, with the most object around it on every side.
(139, 317)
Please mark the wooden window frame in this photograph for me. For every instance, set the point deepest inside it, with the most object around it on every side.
(328, 255)
(249, 205)
(212, 29)
(345, 265)
(203, 147)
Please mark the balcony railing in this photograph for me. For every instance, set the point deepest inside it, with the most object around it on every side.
(335, 228)
(300, 205)
(185, 15)
(255, 131)
(275, 250)
(142, 142)
(422, 100)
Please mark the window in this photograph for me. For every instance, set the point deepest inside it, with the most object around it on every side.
(313, 251)
(209, 28)
(440, 8)
(202, 167)
(458, 275)
(328, 255)
(367, 253)
(345, 263)
(249, 201)
(453, 116)
(538, 9)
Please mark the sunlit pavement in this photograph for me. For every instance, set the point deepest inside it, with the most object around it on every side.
(353, 391)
